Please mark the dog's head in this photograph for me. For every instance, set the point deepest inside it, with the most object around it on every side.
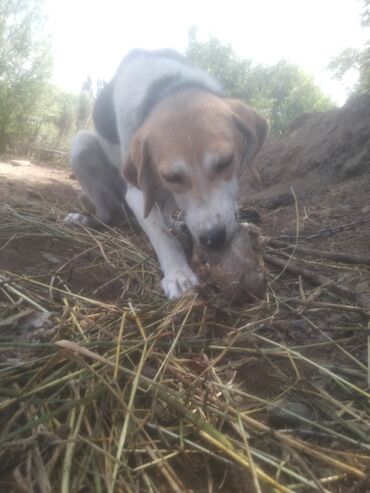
(193, 144)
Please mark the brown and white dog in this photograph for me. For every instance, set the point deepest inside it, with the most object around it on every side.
(167, 139)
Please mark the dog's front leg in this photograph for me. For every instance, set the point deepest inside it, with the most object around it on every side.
(178, 276)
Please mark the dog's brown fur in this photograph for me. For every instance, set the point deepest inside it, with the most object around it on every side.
(185, 126)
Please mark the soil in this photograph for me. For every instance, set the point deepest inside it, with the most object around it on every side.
(319, 205)
(320, 168)
(23, 181)
(315, 178)
(310, 185)
(316, 152)
(28, 185)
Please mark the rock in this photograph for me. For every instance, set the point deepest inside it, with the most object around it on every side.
(237, 271)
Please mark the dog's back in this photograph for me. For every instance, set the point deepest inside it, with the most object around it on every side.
(142, 80)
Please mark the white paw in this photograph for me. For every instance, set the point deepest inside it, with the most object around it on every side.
(76, 218)
(177, 281)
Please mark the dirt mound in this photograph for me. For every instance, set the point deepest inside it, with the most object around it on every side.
(316, 151)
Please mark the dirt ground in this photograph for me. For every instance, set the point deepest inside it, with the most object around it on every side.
(333, 216)
(23, 181)
(323, 206)
(309, 182)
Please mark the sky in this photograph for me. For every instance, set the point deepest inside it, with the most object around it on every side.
(90, 37)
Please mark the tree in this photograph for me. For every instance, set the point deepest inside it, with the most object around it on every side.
(220, 61)
(280, 91)
(355, 59)
(283, 91)
(85, 104)
(25, 68)
(64, 118)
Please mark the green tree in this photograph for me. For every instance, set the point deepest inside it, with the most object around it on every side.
(85, 104)
(55, 121)
(355, 59)
(221, 62)
(280, 91)
(283, 91)
(25, 68)
(65, 115)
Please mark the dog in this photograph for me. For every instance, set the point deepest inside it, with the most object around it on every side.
(165, 139)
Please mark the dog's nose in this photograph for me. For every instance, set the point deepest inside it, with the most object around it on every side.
(213, 238)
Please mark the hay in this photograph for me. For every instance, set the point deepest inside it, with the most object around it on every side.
(112, 388)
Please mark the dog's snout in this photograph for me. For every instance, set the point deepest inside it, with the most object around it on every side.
(213, 238)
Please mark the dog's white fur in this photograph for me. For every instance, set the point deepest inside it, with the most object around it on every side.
(210, 201)
(211, 207)
(133, 80)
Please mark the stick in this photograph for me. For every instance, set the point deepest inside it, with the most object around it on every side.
(338, 256)
(316, 279)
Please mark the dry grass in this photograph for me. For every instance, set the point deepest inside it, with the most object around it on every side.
(132, 393)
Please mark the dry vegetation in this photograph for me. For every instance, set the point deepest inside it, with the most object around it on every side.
(107, 387)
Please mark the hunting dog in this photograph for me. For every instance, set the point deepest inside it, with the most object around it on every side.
(165, 139)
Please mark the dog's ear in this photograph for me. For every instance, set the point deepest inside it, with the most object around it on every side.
(137, 171)
(252, 125)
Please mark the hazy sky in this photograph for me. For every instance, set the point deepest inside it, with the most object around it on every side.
(91, 36)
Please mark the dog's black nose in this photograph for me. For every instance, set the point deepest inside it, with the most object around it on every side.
(213, 238)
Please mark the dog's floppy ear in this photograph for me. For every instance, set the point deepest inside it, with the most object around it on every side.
(252, 125)
(137, 171)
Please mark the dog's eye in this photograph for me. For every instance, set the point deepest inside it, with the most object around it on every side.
(223, 164)
(175, 178)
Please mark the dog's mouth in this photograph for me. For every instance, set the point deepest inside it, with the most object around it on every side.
(179, 218)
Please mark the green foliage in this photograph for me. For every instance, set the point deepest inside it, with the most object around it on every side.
(32, 110)
(365, 17)
(280, 91)
(220, 61)
(25, 67)
(355, 59)
(283, 91)
(85, 104)
(64, 115)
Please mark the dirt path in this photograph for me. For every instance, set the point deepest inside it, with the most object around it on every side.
(22, 181)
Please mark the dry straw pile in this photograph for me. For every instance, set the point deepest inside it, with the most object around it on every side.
(112, 388)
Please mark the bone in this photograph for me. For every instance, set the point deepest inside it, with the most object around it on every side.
(236, 272)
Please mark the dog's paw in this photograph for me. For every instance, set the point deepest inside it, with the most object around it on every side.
(76, 218)
(176, 282)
